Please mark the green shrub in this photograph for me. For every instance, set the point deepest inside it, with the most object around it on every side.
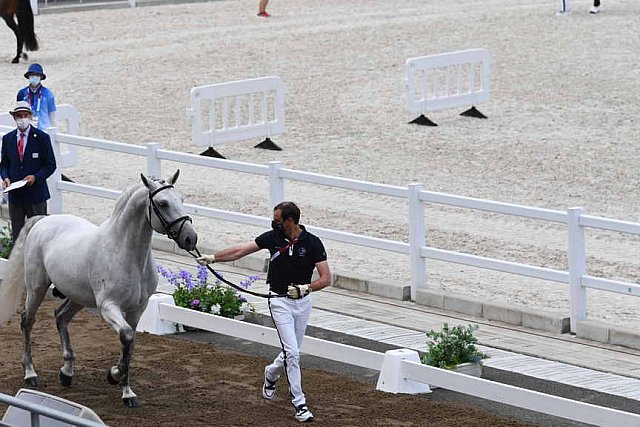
(451, 347)
(6, 243)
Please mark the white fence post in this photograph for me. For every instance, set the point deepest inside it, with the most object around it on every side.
(55, 202)
(276, 185)
(577, 267)
(153, 162)
(417, 239)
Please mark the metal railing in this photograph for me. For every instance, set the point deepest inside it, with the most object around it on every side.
(37, 411)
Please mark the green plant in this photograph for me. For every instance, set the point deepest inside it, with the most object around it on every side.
(6, 242)
(451, 347)
(197, 294)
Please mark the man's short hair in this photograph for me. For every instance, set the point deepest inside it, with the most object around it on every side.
(288, 210)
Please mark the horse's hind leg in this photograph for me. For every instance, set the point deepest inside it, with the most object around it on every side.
(11, 23)
(119, 374)
(64, 314)
(35, 295)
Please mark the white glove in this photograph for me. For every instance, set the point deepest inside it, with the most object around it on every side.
(298, 291)
(206, 259)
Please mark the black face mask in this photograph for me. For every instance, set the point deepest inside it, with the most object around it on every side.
(277, 226)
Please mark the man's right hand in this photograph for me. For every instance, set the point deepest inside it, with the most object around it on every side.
(6, 183)
(206, 259)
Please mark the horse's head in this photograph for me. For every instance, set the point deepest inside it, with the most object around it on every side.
(166, 212)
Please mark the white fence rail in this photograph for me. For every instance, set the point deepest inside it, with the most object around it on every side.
(417, 248)
(412, 371)
(235, 111)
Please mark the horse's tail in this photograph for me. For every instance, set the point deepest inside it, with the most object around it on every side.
(12, 286)
(25, 24)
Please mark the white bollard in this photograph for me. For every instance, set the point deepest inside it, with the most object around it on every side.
(150, 320)
(392, 379)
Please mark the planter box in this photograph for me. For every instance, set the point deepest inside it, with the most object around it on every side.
(471, 369)
(185, 328)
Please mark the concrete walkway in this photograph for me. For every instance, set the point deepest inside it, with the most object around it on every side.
(557, 364)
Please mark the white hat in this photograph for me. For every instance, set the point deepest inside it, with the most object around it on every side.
(21, 106)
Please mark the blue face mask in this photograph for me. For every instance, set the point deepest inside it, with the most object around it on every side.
(34, 80)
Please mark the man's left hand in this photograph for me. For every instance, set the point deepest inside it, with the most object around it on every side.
(30, 180)
(298, 291)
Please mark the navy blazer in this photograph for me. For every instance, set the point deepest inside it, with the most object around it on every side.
(38, 160)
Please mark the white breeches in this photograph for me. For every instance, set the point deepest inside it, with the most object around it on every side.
(290, 317)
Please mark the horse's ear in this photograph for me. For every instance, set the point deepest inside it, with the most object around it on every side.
(145, 181)
(174, 178)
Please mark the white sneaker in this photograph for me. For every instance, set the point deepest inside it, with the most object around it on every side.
(593, 10)
(303, 414)
(268, 387)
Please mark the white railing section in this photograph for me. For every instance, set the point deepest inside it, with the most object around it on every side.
(485, 389)
(416, 197)
(238, 110)
(447, 80)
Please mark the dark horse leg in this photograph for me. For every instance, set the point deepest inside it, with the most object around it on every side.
(11, 23)
(23, 28)
(64, 314)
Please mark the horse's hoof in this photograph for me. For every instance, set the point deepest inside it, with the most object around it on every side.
(131, 402)
(110, 378)
(32, 381)
(65, 380)
(25, 56)
(15, 60)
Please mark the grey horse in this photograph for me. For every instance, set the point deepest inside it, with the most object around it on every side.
(109, 267)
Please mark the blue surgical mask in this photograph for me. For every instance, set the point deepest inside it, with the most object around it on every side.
(34, 80)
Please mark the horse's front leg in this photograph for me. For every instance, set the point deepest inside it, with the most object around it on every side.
(64, 314)
(119, 374)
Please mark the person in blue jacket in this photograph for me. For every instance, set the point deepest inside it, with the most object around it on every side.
(27, 155)
(40, 98)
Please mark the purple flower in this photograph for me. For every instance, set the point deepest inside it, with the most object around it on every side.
(167, 274)
(203, 274)
(195, 303)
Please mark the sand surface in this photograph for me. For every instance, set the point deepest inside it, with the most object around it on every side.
(182, 383)
(562, 131)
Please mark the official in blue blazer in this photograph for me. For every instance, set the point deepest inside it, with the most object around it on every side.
(34, 165)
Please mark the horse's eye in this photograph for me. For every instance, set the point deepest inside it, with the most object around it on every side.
(162, 204)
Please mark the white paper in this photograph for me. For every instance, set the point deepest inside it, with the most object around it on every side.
(14, 185)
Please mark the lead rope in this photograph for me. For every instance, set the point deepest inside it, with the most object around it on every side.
(233, 285)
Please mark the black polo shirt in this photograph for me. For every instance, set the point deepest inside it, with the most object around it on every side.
(291, 262)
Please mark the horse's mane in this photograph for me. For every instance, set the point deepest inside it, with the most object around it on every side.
(128, 193)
